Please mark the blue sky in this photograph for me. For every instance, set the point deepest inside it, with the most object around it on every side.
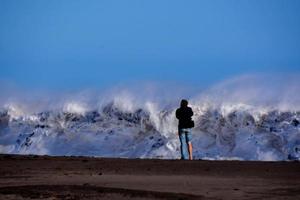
(73, 44)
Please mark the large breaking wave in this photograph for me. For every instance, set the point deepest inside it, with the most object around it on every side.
(245, 118)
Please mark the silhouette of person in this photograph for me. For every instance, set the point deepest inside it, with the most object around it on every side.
(184, 115)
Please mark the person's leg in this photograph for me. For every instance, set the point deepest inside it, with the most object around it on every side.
(189, 144)
(190, 150)
(182, 144)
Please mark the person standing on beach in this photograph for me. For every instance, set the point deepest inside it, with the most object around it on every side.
(184, 115)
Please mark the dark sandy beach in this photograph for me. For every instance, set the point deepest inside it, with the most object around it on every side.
(44, 177)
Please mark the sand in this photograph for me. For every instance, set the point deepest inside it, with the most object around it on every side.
(45, 177)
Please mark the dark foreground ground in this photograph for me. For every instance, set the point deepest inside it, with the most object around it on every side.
(44, 177)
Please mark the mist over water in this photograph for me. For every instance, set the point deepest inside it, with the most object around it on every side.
(250, 117)
(264, 91)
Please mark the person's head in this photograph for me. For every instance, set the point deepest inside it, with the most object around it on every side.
(184, 103)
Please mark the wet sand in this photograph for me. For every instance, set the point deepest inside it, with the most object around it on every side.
(45, 177)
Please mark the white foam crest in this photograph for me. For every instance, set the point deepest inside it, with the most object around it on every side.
(75, 107)
(125, 101)
(17, 111)
(164, 121)
(14, 111)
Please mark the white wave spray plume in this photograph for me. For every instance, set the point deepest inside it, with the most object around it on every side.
(250, 117)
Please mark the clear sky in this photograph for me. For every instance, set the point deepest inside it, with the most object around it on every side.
(72, 43)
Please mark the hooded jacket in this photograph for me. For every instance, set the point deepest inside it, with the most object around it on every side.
(184, 115)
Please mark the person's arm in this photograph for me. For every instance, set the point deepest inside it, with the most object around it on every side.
(177, 114)
(191, 112)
